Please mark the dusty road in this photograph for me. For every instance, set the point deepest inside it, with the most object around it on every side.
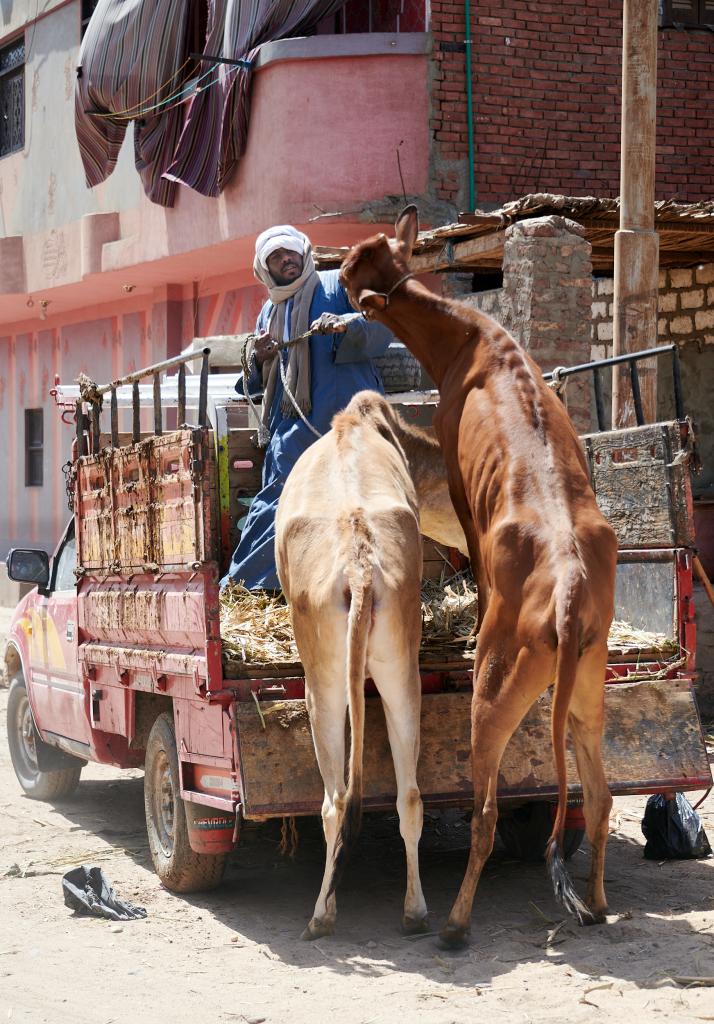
(235, 955)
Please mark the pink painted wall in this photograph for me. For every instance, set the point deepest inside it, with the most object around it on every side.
(106, 343)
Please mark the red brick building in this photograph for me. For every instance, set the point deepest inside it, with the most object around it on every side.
(546, 99)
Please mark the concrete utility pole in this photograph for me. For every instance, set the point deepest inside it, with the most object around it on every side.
(636, 242)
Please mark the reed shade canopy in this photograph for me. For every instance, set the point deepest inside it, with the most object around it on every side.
(475, 242)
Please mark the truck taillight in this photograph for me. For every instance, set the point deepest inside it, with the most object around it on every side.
(214, 781)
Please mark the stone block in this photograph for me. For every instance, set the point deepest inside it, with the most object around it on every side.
(705, 274)
(681, 278)
(662, 327)
(599, 309)
(690, 300)
(662, 279)
(710, 296)
(604, 332)
(545, 227)
(605, 286)
(681, 325)
(704, 318)
(667, 302)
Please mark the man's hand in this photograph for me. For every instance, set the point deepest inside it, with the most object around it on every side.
(265, 348)
(331, 323)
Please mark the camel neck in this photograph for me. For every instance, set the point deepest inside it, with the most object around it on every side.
(426, 462)
(426, 325)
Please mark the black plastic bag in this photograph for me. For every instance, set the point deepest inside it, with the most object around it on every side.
(87, 891)
(673, 830)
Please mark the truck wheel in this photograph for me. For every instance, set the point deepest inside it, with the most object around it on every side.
(525, 830)
(24, 742)
(176, 864)
(399, 369)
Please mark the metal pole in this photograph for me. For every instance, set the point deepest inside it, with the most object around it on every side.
(636, 242)
(468, 41)
(167, 364)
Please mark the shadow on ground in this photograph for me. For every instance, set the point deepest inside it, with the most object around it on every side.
(268, 899)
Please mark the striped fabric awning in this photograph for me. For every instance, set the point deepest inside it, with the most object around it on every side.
(216, 130)
(134, 65)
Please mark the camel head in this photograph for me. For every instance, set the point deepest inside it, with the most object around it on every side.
(372, 270)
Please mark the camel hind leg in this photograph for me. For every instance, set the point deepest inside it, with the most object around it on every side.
(399, 686)
(586, 723)
(326, 698)
(507, 682)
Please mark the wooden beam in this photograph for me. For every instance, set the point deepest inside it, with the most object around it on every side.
(485, 249)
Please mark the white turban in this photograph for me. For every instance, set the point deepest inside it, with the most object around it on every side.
(282, 236)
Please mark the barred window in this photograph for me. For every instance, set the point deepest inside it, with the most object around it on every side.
(34, 447)
(689, 12)
(12, 97)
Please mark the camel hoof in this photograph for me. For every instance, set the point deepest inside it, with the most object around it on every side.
(318, 930)
(594, 917)
(415, 925)
(451, 937)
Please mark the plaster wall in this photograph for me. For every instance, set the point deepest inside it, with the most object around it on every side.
(308, 153)
(14, 14)
(43, 185)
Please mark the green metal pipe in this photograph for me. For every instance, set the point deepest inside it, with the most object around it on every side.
(470, 105)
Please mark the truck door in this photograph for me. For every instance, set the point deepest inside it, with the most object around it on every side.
(57, 688)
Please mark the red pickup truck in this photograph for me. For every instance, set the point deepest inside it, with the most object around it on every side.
(115, 656)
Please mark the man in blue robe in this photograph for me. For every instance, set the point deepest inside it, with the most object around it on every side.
(320, 381)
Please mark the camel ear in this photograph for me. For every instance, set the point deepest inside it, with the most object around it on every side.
(376, 301)
(406, 230)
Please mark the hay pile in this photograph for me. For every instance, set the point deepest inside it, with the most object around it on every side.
(448, 615)
(256, 628)
(624, 637)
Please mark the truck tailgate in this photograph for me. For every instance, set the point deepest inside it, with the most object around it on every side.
(652, 741)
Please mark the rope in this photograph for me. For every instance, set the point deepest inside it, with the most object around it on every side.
(132, 112)
(296, 407)
(263, 432)
(128, 110)
(559, 382)
(289, 838)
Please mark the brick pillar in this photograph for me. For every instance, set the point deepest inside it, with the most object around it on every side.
(547, 285)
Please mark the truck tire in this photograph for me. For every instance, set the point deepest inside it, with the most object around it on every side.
(525, 830)
(24, 742)
(399, 369)
(177, 865)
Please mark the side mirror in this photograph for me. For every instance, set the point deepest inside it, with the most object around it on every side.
(28, 565)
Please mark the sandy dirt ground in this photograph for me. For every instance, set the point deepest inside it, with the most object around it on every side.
(235, 955)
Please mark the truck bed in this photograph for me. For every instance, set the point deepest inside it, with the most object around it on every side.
(154, 534)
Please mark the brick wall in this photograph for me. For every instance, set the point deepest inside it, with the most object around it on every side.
(547, 102)
(448, 123)
(685, 309)
(685, 316)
